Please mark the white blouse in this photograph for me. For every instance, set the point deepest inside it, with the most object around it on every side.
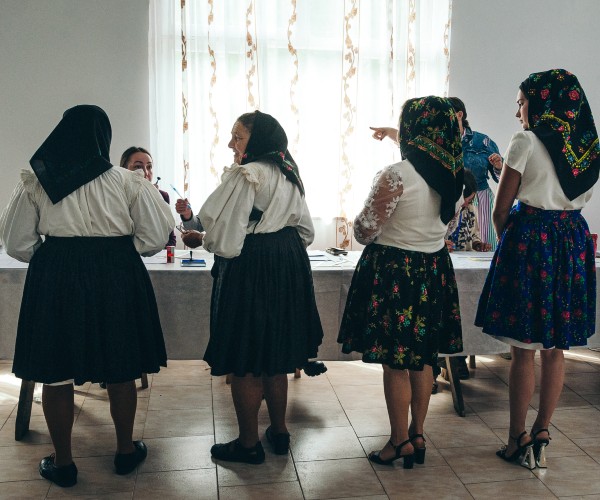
(539, 187)
(224, 216)
(116, 203)
(401, 211)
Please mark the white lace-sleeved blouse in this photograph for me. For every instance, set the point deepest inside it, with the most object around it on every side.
(226, 212)
(401, 211)
(116, 203)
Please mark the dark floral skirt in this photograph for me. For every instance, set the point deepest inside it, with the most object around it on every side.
(402, 308)
(541, 287)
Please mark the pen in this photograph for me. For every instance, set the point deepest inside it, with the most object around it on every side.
(179, 194)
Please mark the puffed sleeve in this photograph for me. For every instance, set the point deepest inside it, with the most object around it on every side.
(519, 150)
(19, 222)
(226, 211)
(305, 226)
(380, 205)
(151, 216)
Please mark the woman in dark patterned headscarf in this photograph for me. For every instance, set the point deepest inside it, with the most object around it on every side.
(402, 307)
(540, 292)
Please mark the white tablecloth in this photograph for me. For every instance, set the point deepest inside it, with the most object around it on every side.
(183, 297)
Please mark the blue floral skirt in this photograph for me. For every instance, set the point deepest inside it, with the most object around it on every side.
(402, 308)
(541, 287)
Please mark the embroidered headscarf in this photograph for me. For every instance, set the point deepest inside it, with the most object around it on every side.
(429, 138)
(75, 152)
(268, 142)
(560, 116)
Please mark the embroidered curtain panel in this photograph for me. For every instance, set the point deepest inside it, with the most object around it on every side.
(327, 70)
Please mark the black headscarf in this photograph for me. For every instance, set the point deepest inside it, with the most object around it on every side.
(430, 139)
(76, 152)
(268, 142)
(560, 116)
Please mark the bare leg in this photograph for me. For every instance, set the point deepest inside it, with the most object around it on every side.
(247, 393)
(521, 384)
(276, 390)
(420, 383)
(58, 404)
(553, 375)
(396, 386)
(123, 405)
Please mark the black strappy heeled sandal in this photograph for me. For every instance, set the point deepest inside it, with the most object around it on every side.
(419, 452)
(523, 455)
(539, 447)
(407, 462)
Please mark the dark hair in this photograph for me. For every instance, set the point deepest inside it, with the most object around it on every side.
(458, 105)
(130, 151)
(247, 120)
(470, 184)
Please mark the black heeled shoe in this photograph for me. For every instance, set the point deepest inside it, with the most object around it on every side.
(539, 448)
(407, 460)
(419, 452)
(523, 455)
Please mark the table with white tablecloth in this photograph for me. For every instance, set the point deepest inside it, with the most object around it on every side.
(183, 297)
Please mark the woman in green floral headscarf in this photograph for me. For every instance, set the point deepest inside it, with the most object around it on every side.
(402, 307)
(540, 293)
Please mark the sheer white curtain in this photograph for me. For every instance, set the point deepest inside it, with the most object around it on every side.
(327, 70)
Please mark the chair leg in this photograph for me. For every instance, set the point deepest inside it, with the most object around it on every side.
(297, 373)
(472, 363)
(455, 386)
(24, 409)
(144, 381)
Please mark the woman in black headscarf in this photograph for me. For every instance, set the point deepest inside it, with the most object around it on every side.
(402, 307)
(88, 311)
(540, 293)
(264, 320)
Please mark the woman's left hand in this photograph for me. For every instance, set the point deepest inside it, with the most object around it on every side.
(480, 246)
(192, 239)
(496, 160)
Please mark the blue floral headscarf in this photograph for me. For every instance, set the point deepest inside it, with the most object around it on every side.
(429, 138)
(560, 116)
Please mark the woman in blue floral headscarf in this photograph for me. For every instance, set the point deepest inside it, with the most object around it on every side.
(540, 292)
(402, 307)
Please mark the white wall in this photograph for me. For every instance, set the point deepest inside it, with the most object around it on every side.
(59, 53)
(496, 44)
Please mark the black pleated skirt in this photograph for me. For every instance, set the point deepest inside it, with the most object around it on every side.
(88, 313)
(264, 317)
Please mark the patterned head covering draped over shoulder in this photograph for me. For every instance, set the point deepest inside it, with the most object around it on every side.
(268, 142)
(430, 139)
(560, 116)
(75, 152)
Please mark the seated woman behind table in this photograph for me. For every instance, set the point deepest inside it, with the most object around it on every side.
(137, 158)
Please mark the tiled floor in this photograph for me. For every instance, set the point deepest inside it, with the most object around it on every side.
(334, 419)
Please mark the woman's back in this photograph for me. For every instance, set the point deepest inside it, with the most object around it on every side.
(540, 186)
(415, 224)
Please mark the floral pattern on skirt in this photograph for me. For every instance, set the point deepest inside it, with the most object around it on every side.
(402, 308)
(541, 287)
